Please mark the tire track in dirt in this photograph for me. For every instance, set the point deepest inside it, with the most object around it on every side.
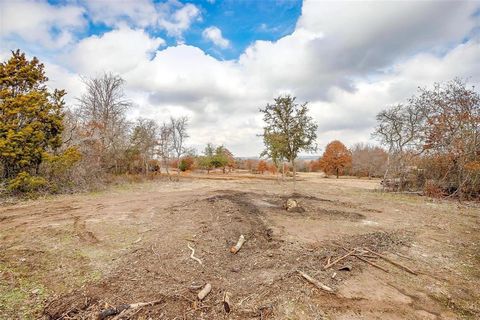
(80, 228)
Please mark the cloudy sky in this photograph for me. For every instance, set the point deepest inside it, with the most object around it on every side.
(219, 61)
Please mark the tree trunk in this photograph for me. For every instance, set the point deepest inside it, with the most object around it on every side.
(386, 171)
(178, 169)
(294, 171)
(337, 173)
(166, 168)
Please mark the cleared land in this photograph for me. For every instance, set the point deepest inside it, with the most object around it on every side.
(71, 257)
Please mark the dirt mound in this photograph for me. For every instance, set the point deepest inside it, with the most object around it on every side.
(262, 277)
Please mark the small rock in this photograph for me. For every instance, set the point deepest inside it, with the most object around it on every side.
(35, 291)
(235, 269)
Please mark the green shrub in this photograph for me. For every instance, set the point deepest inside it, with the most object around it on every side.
(186, 163)
(26, 183)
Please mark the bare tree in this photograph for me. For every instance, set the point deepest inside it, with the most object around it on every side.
(368, 160)
(165, 145)
(102, 111)
(399, 128)
(438, 133)
(145, 140)
(179, 134)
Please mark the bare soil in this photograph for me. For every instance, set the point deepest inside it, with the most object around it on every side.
(74, 256)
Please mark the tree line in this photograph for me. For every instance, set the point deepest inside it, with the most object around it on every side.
(432, 140)
(289, 130)
(46, 146)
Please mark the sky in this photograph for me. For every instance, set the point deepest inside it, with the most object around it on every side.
(218, 62)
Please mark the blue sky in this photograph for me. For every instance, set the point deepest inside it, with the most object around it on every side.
(218, 62)
(241, 21)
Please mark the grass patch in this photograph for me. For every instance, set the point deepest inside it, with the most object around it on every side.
(20, 297)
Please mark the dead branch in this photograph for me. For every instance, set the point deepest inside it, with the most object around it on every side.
(192, 255)
(239, 244)
(129, 313)
(195, 287)
(204, 292)
(226, 302)
(337, 260)
(315, 282)
(117, 310)
(402, 255)
(392, 262)
(371, 263)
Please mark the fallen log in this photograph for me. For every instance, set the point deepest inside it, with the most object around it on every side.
(401, 266)
(315, 282)
(371, 263)
(239, 244)
(337, 260)
(116, 310)
(226, 302)
(192, 255)
(204, 292)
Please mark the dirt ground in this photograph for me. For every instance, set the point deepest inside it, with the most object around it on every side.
(74, 256)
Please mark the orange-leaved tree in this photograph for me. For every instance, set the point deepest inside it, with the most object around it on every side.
(336, 158)
(262, 166)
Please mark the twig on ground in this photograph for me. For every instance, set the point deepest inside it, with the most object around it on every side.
(195, 287)
(371, 263)
(226, 302)
(337, 260)
(401, 266)
(402, 255)
(204, 292)
(192, 255)
(154, 252)
(315, 282)
(138, 240)
(239, 244)
(118, 310)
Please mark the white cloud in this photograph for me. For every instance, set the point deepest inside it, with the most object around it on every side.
(140, 13)
(172, 16)
(349, 61)
(214, 34)
(39, 22)
(61, 78)
(176, 17)
(116, 51)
